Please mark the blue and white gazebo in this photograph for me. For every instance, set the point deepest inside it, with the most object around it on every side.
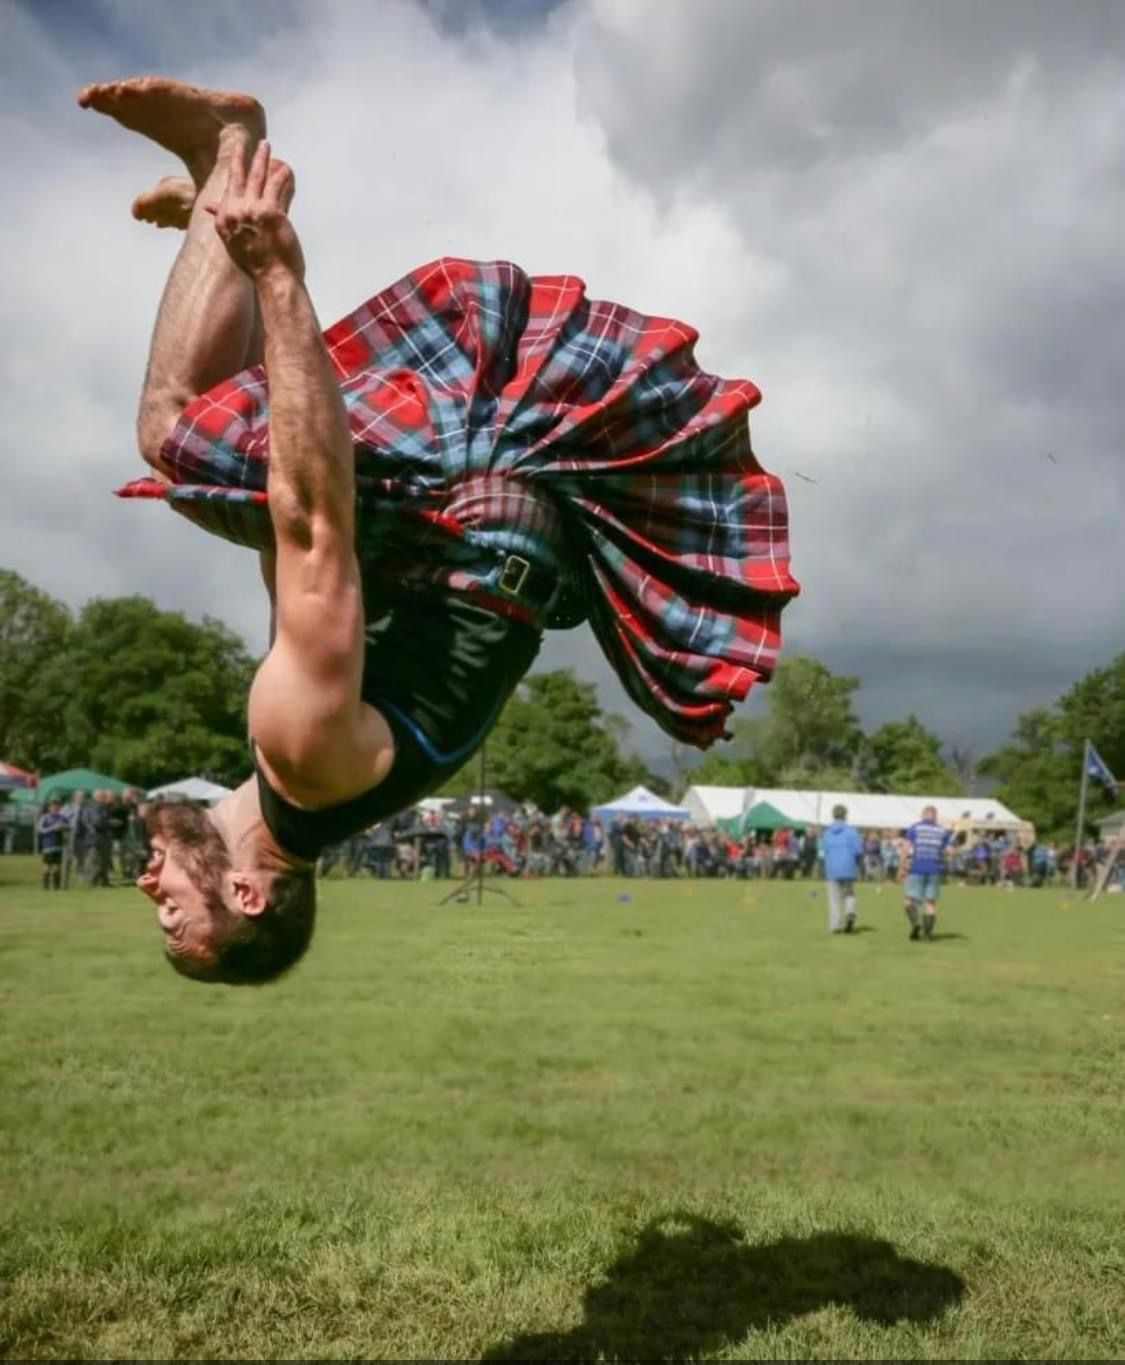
(640, 804)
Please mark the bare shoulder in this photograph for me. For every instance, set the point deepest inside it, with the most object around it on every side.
(320, 744)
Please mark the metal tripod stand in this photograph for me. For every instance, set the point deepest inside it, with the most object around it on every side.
(475, 878)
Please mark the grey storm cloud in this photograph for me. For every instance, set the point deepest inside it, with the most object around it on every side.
(930, 199)
(902, 221)
(770, 84)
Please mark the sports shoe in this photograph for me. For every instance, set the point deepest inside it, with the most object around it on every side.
(849, 924)
(915, 932)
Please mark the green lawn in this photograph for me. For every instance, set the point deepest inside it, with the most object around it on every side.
(686, 1124)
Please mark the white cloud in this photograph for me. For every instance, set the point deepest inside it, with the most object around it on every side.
(879, 224)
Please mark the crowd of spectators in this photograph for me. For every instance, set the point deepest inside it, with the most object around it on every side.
(444, 843)
(97, 838)
(527, 843)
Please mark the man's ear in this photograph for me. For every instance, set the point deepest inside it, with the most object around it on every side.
(250, 891)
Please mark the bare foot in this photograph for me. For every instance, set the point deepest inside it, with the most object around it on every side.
(168, 204)
(184, 119)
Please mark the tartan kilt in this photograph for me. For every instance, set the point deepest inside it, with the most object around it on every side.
(497, 413)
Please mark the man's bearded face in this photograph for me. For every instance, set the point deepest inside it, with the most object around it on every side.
(184, 878)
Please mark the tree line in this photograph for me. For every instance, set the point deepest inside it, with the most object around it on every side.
(152, 696)
(810, 737)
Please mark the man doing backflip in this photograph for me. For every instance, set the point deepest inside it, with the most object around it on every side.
(471, 456)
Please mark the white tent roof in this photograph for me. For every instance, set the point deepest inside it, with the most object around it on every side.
(192, 789)
(874, 810)
(867, 810)
(797, 805)
(707, 805)
(950, 808)
(640, 801)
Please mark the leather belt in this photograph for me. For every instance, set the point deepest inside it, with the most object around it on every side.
(526, 582)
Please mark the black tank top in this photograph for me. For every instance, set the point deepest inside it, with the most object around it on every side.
(439, 668)
(307, 832)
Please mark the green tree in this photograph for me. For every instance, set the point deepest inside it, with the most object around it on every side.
(34, 630)
(903, 756)
(809, 775)
(740, 761)
(811, 716)
(809, 733)
(965, 764)
(554, 746)
(718, 769)
(149, 695)
(635, 772)
(1040, 768)
(1094, 709)
(1038, 774)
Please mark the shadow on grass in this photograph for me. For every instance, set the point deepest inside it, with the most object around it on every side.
(692, 1286)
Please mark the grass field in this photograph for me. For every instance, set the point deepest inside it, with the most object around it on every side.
(691, 1124)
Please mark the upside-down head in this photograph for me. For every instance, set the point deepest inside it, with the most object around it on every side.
(242, 926)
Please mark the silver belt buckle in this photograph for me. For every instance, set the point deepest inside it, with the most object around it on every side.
(514, 574)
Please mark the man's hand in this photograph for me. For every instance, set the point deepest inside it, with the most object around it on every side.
(251, 216)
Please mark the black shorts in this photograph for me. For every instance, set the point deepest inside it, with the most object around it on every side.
(439, 667)
(52, 856)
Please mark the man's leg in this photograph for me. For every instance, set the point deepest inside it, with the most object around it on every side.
(929, 916)
(206, 319)
(205, 324)
(833, 906)
(169, 204)
(849, 907)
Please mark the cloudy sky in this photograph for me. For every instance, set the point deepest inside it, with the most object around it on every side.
(903, 222)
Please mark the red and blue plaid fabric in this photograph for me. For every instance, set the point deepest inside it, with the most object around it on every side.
(495, 413)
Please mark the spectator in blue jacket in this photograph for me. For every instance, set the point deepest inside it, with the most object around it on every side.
(843, 849)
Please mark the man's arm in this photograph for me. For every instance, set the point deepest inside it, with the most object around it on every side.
(306, 714)
(267, 563)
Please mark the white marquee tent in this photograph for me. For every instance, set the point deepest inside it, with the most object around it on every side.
(867, 810)
(708, 805)
(191, 789)
(642, 803)
(1111, 826)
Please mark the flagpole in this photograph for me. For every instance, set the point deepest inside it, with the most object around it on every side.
(1081, 813)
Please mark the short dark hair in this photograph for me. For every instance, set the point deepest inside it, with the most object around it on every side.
(839, 812)
(254, 949)
(251, 950)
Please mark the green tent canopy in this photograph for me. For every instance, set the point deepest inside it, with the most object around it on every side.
(759, 816)
(62, 784)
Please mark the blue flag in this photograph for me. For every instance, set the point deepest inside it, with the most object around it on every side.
(1095, 767)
